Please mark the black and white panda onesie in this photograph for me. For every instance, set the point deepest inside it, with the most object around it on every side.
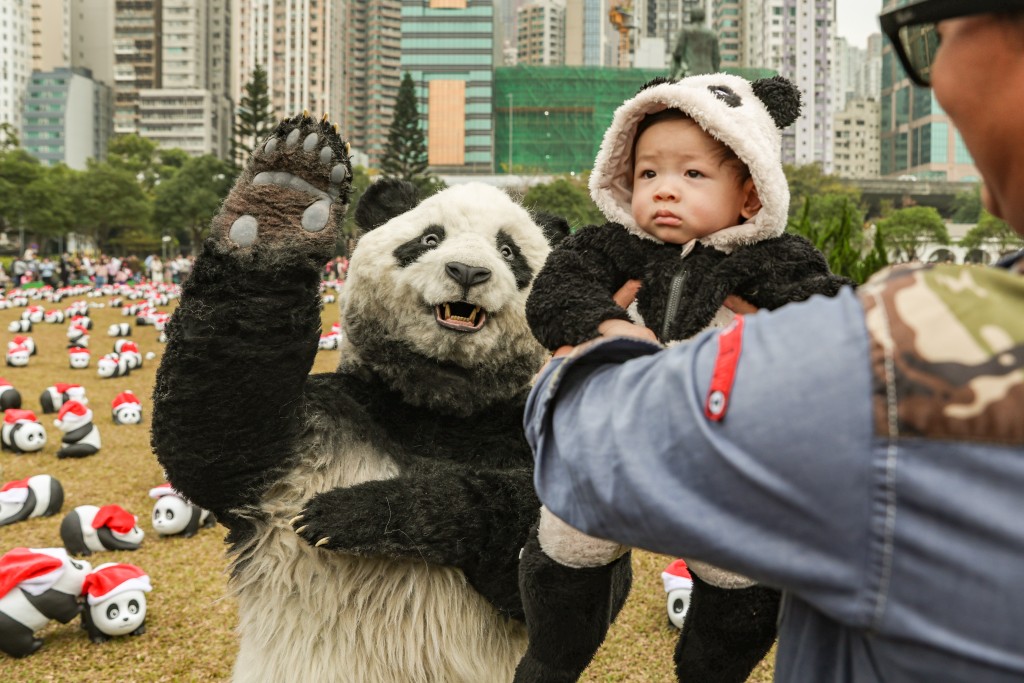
(405, 566)
(731, 623)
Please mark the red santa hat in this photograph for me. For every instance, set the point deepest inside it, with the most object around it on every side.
(34, 570)
(110, 579)
(12, 415)
(115, 518)
(13, 348)
(162, 490)
(20, 339)
(124, 397)
(129, 347)
(5, 383)
(78, 349)
(676, 576)
(14, 492)
(63, 387)
(74, 411)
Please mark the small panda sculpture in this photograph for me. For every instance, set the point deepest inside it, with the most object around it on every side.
(78, 357)
(9, 396)
(126, 408)
(18, 355)
(80, 437)
(54, 316)
(24, 340)
(37, 585)
(129, 350)
(115, 594)
(678, 585)
(22, 432)
(78, 335)
(112, 365)
(80, 318)
(34, 314)
(37, 496)
(328, 342)
(88, 529)
(175, 516)
(421, 421)
(119, 330)
(56, 395)
(20, 326)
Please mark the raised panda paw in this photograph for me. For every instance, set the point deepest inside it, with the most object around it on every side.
(295, 188)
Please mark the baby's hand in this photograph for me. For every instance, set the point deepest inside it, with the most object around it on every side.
(623, 328)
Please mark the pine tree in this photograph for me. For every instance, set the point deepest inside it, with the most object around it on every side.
(405, 155)
(254, 120)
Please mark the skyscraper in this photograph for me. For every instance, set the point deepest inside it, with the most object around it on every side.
(448, 49)
(51, 34)
(916, 137)
(540, 36)
(17, 60)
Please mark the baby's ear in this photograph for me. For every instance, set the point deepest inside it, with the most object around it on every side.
(751, 200)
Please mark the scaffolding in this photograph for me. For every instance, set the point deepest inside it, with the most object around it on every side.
(551, 119)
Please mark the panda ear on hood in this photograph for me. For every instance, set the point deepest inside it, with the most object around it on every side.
(383, 200)
(555, 227)
(781, 98)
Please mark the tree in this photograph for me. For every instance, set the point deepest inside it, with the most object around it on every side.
(18, 170)
(349, 232)
(8, 137)
(110, 203)
(567, 197)
(992, 230)
(186, 203)
(967, 206)
(834, 224)
(906, 229)
(49, 207)
(254, 118)
(405, 155)
(810, 181)
(144, 160)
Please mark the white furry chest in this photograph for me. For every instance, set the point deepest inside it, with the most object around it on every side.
(310, 614)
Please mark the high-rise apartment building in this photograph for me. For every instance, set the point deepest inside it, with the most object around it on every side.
(68, 117)
(856, 140)
(590, 38)
(372, 74)
(917, 138)
(448, 48)
(540, 38)
(300, 44)
(16, 64)
(51, 34)
(796, 38)
(138, 57)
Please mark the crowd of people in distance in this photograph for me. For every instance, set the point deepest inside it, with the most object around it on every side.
(100, 270)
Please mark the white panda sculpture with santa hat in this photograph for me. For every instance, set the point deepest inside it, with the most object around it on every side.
(56, 395)
(129, 350)
(115, 594)
(175, 516)
(17, 355)
(88, 529)
(112, 365)
(21, 432)
(78, 357)
(37, 585)
(37, 496)
(80, 437)
(126, 408)
(24, 340)
(119, 330)
(20, 326)
(78, 335)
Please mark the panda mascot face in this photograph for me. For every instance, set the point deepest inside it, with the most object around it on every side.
(435, 297)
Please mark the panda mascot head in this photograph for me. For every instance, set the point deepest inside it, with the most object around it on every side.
(436, 292)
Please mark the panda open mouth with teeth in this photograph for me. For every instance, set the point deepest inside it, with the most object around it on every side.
(461, 316)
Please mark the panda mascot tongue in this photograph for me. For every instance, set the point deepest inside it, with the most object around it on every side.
(405, 471)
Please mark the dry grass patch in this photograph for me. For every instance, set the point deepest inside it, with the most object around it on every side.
(190, 620)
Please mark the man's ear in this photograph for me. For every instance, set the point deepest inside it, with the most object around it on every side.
(751, 202)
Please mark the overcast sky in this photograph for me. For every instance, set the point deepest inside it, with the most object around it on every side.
(857, 19)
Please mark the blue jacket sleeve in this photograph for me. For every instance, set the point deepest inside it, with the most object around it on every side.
(779, 490)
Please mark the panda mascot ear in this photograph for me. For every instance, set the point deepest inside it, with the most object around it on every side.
(781, 98)
(555, 227)
(383, 200)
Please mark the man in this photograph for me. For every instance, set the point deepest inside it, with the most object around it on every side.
(864, 453)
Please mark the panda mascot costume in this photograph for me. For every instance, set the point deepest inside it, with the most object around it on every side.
(375, 513)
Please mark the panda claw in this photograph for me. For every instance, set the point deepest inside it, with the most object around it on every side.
(296, 518)
(302, 528)
(323, 541)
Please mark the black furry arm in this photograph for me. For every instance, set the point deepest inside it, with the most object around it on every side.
(228, 394)
(572, 294)
(781, 270)
(475, 520)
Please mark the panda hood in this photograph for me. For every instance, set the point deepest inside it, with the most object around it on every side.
(747, 117)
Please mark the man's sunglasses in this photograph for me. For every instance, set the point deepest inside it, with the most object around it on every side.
(912, 29)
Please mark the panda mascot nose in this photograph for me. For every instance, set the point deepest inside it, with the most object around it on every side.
(467, 276)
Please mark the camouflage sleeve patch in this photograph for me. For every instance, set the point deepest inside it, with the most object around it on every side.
(947, 353)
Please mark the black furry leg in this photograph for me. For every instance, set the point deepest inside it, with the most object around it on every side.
(568, 612)
(726, 633)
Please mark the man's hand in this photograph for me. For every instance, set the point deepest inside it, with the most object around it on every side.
(615, 327)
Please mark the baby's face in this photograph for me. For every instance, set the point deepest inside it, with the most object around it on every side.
(681, 189)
